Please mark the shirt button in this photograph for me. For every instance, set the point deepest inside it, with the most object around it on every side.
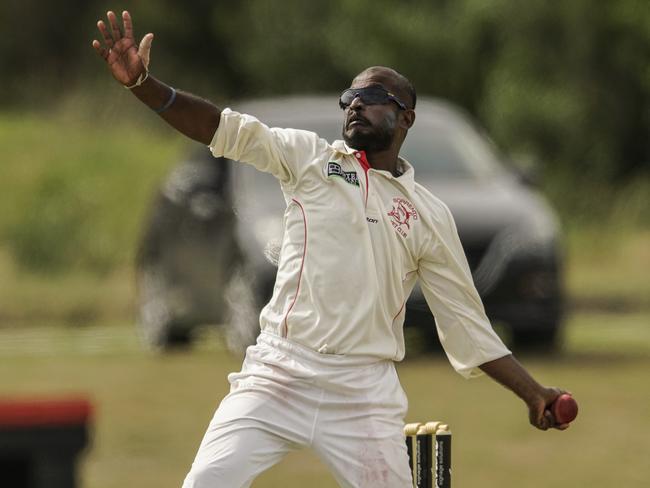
(358, 155)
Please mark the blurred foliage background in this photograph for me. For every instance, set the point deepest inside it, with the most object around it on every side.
(565, 82)
(563, 88)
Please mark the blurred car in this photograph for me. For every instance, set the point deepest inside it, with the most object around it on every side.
(210, 247)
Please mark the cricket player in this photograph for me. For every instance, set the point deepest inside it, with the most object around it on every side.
(358, 233)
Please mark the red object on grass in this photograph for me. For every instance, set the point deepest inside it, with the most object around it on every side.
(564, 409)
(44, 412)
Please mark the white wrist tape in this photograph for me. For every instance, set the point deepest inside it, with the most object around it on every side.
(139, 81)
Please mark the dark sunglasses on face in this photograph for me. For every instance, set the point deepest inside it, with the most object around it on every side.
(373, 95)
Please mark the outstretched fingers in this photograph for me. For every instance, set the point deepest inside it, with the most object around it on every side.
(128, 25)
(101, 50)
(115, 28)
(103, 30)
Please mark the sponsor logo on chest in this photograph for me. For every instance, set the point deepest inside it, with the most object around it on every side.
(402, 216)
(334, 169)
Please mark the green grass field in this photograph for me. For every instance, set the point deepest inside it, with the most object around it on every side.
(152, 410)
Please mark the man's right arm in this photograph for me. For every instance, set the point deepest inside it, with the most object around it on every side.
(191, 115)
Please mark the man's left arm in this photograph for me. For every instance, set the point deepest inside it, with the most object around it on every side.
(465, 332)
(511, 374)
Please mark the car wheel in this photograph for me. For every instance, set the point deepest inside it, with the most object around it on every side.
(159, 328)
(537, 339)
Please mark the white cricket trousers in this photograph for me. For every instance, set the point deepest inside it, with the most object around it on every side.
(349, 410)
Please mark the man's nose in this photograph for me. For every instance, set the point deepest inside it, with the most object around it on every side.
(356, 103)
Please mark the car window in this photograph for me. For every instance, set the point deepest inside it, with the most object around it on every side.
(448, 149)
(435, 152)
(440, 145)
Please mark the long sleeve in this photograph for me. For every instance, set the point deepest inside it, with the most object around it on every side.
(280, 152)
(446, 281)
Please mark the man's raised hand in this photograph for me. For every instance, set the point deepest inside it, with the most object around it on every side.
(128, 64)
(192, 116)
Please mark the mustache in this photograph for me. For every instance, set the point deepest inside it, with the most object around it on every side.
(354, 117)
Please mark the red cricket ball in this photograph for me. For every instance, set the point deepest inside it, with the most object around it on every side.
(564, 409)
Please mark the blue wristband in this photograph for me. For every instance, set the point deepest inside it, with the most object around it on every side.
(168, 103)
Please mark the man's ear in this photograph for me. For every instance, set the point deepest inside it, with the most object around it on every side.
(407, 118)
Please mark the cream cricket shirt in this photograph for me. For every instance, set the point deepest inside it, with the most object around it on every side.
(355, 241)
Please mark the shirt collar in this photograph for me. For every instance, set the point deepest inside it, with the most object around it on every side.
(342, 147)
(407, 178)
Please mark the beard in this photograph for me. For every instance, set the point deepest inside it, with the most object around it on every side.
(371, 138)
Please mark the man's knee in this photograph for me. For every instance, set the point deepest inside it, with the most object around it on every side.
(227, 471)
(231, 455)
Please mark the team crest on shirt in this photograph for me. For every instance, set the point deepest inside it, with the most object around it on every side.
(402, 216)
(334, 169)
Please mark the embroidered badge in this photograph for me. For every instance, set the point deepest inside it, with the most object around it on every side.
(334, 169)
(402, 215)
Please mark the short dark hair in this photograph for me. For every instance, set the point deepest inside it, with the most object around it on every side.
(401, 82)
(405, 85)
(411, 91)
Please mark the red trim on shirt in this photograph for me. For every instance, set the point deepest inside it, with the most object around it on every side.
(363, 161)
(400, 310)
(285, 326)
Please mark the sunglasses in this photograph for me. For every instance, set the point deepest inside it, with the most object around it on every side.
(373, 95)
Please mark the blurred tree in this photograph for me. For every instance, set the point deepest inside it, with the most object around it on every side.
(570, 83)
(189, 49)
(566, 82)
(36, 47)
